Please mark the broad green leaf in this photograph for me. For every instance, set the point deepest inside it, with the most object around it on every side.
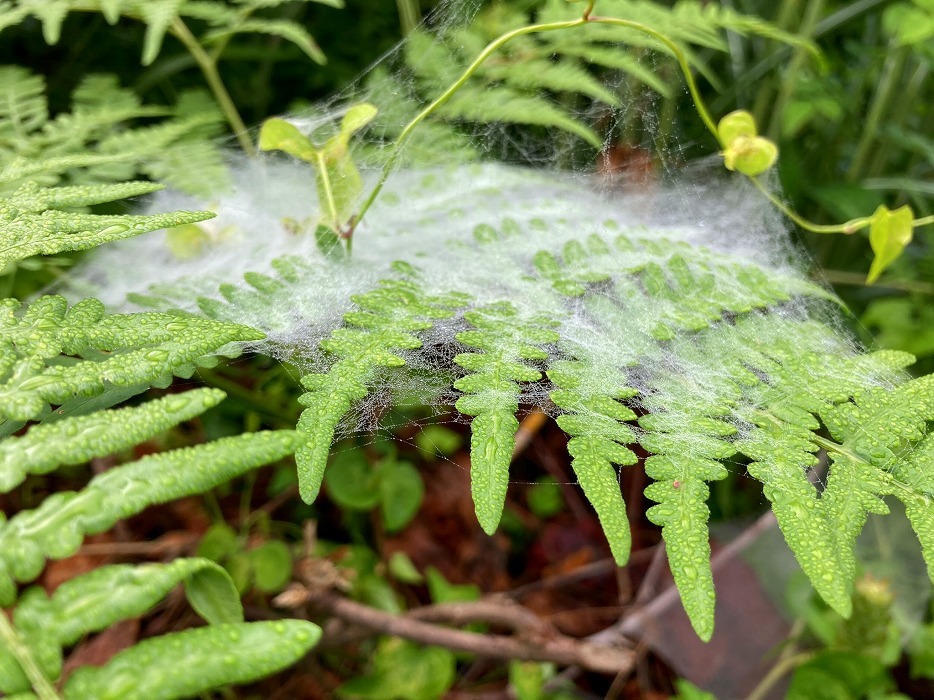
(212, 595)
(272, 565)
(401, 490)
(889, 233)
(279, 135)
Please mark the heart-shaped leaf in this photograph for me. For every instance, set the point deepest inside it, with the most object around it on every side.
(889, 233)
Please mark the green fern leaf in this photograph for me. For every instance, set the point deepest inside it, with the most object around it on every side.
(560, 76)
(95, 141)
(57, 527)
(491, 396)
(285, 29)
(387, 322)
(608, 57)
(507, 105)
(149, 346)
(77, 440)
(158, 16)
(23, 107)
(185, 664)
(33, 225)
(590, 395)
(93, 602)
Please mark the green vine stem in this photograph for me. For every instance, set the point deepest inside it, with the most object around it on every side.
(208, 66)
(699, 105)
(496, 44)
(11, 640)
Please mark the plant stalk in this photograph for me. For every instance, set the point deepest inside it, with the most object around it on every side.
(208, 67)
(11, 640)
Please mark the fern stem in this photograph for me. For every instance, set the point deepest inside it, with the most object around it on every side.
(776, 672)
(501, 41)
(40, 684)
(208, 67)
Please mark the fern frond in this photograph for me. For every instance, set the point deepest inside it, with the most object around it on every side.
(594, 419)
(284, 29)
(32, 223)
(555, 76)
(160, 15)
(507, 105)
(57, 527)
(94, 601)
(77, 440)
(491, 394)
(186, 664)
(149, 347)
(23, 107)
(95, 142)
(387, 322)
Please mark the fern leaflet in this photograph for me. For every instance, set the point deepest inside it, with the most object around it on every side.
(388, 319)
(491, 396)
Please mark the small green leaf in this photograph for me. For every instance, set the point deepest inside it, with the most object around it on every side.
(404, 670)
(357, 117)
(437, 440)
(329, 242)
(352, 482)
(279, 135)
(272, 566)
(212, 594)
(544, 498)
(219, 542)
(402, 569)
(442, 591)
(889, 233)
(401, 491)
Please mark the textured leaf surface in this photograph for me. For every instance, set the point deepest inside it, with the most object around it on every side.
(78, 440)
(491, 391)
(93, 602)
(39, 344)
(57, 527)
(29, 225)
(184, 664)
(387, 321)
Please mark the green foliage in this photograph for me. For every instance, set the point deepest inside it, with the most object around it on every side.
(97, 141)
(386, 322)
(491, 393)
(338, 180)
(83, 360)
(402, 669)
(224, 19)
(184, 664)
(267, 566)
(42, 344)
(393, 485)
(33, 222)
(745, 376)
(546, 79)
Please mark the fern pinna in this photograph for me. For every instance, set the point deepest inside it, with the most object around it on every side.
(722, 362)
(61, 367)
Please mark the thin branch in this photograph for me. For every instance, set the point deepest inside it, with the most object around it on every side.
(536, 641)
